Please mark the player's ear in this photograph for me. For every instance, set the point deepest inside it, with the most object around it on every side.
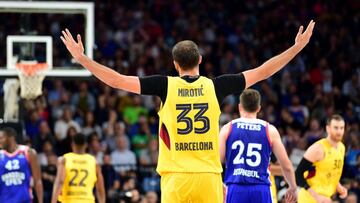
(327, 128)
(177, 67)
(200, 59)
(258, 110)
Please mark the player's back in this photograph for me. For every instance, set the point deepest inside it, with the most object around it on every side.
(80, 178)
(15, 173)
(248, 153)
(189, 127)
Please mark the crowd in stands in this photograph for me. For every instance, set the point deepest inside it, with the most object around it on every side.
(136, 37)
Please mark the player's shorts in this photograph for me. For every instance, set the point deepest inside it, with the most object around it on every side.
(248, 193)
(191, 188)
(71, 200)
(305, 197)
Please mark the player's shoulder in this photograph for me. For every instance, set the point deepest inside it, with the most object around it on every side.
(315, 152)
(61, 160)
(90, 156)
(342, 147)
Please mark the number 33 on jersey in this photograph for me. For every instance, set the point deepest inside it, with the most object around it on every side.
(189, 127)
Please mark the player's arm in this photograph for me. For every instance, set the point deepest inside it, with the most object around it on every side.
(36, 174)
(284, 161)
(275, 169)
(100, 188)
(313, 154)
(224, 132)
(105, 74)
(59, 180)
(274, 64)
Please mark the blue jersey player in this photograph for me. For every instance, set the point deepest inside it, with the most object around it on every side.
(246, 144)
(18, 163)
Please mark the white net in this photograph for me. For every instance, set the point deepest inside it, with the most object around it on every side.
(31, 75)
(31, 86)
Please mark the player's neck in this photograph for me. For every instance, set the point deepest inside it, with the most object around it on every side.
(333, 143)
(79, 151)
(248, 115)
(192, 72)
(12, 148)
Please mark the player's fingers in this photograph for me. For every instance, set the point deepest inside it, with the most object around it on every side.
(310, 27)
(63, 40)
(70, 36)
(65, 35)
(79, 40)
(300, 31)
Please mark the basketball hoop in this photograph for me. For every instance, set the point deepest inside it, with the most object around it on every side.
(31, 75)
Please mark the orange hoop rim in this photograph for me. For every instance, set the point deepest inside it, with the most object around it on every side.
(31, 69)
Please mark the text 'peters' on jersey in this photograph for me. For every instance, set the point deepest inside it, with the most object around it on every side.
(249, 126)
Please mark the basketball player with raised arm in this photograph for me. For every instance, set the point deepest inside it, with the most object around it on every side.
(320, 170)
(246, 144)
(77, 175)
(18, 164)
(189, 156)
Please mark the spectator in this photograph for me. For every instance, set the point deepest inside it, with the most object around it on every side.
(122, 158)
(119, 131)
(151, 197)
(90, 126)
(95, 148)
(47, 150)
(62, 125)
(111, 179)
(108, 126)
(132, 113)
(83, 101)
(44, 135)
(351, 198)
(32, 125)
(149, 156)
(298, 111)
(64, 146)
(48, 174)
(314, 133)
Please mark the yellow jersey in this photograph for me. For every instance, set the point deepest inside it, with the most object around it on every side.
(273, 189)
(80, 178)
(189, 127)
(328, 170)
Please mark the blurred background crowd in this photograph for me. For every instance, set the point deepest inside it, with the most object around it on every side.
(136, 37)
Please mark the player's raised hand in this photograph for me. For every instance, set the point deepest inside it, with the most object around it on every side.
(76, 49)
(302, 38)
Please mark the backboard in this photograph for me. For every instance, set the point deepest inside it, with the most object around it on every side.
(27, 32)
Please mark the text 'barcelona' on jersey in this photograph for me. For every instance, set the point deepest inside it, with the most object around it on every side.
(189, 127)
(80, 178)
(328, 171)
(248, 152)
(15, 175)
